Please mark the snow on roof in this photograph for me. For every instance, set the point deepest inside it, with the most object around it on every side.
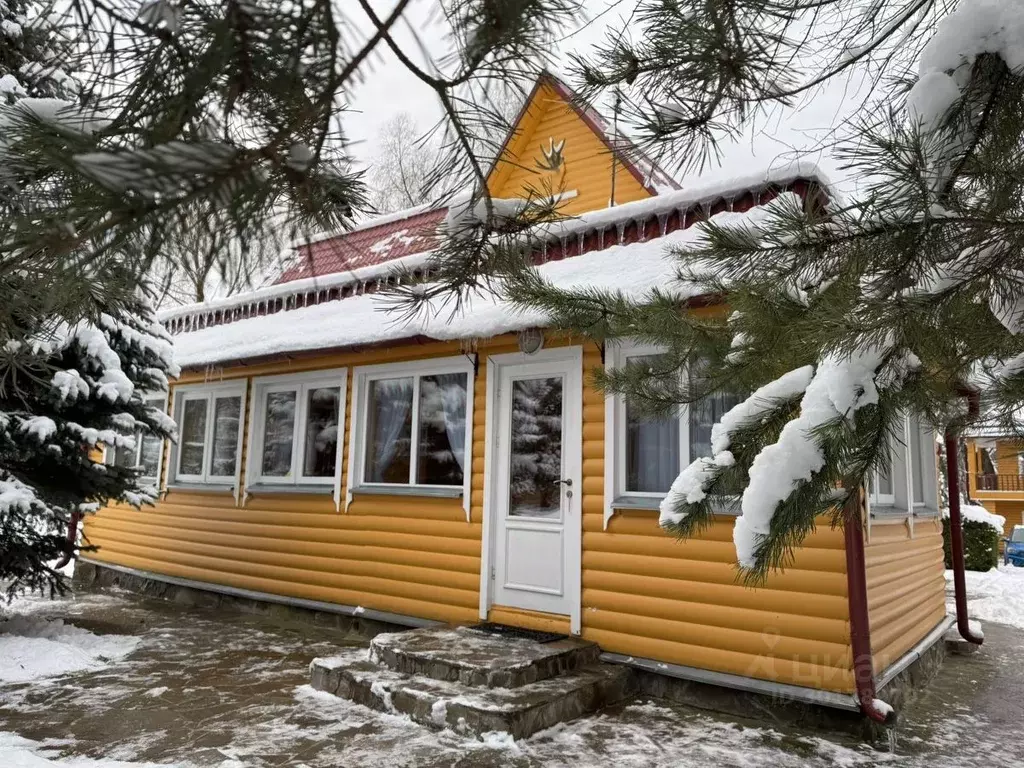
(634, 269)
(373, 222)
(702, 193)
(991, 426)
(269, 293)
(373, 242)
(402, 240)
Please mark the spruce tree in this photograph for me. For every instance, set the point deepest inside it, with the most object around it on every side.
(36, 54)
(68, 395)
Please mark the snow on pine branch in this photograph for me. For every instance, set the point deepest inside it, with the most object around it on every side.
(945, 70)
(974, 28)
(839, 388)
(692, 484)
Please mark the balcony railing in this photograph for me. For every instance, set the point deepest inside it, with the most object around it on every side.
(1000, 482)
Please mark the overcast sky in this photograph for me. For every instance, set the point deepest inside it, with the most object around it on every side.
(389, 89)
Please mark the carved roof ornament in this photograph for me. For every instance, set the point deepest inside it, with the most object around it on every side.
(553, 159)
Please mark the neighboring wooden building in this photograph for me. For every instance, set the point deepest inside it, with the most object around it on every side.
(995, 473)
(453, 472)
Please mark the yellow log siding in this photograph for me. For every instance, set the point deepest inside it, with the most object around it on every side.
(906, 588)
(587, 168)
(643, 593)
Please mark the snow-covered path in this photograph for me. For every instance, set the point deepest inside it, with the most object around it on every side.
(165, 684)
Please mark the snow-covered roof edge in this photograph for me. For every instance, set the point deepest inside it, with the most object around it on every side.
(291, 294)
(702, 192)
(300, 286)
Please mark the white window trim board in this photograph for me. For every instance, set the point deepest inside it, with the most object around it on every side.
(362, 375)
(299, 383)
(209, 393)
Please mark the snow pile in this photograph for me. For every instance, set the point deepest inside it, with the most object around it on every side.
(882, 706)
(994, 596)
(840, 387)
(979, 515)
(32, 648)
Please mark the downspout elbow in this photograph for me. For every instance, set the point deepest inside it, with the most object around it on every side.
(956, 540)
(876, 709)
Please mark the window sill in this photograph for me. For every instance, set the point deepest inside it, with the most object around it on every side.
(637, 502)
(888, 512)
(925, 512)
(405, 490)
(205, 487)
(264, 489)
(654, 504)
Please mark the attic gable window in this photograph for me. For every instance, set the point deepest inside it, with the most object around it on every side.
(412, 428)
(296, 426)
(647, 453)
(209, 418)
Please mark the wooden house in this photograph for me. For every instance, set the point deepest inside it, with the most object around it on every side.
(466, 469)
(995, 472)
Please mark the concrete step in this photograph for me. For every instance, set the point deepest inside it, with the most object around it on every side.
(519, 711)
(461, 654)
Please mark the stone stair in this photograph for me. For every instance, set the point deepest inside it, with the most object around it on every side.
(459, 678)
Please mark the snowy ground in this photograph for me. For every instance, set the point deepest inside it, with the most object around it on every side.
(130, 682)
(996, 595)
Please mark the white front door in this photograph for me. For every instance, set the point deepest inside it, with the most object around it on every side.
(536, 481)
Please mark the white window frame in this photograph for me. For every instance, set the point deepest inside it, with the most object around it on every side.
(884, 499)
(300, 384)
(209, 393)
(618, 356)
(911, 441)
(362, 376)
(110, 452)
(900, 504)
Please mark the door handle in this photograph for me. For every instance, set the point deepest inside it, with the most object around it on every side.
(567, 482)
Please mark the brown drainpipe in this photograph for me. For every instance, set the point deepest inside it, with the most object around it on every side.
(72, 538)
(956, 539)
(860, 626)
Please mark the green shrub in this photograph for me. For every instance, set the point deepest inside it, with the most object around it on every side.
(981, 545)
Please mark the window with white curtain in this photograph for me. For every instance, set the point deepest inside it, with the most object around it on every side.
(296, 428)
(411, 425)
(209, 418)
(147, 454)
(649, 452)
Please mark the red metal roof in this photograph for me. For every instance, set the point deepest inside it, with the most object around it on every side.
(365, 247)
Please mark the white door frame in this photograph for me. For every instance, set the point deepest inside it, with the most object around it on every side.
(572, 456)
